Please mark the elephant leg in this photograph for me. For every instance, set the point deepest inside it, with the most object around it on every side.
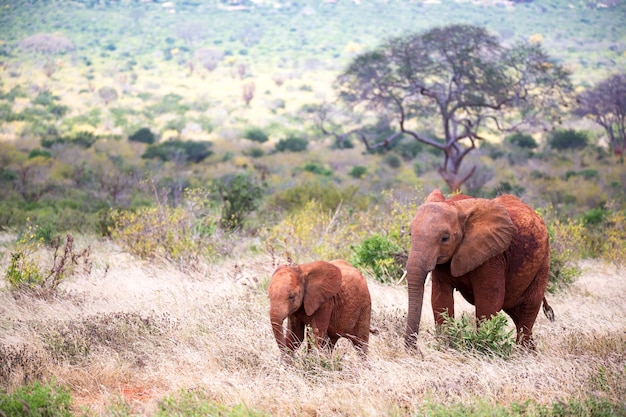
(525, 312)
(442, 299)
(524, 318)
(489, 288)
(320, 323)
(295, 334)
(360, 340)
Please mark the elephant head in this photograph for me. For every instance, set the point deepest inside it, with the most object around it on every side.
(300, 290)
(463, 231)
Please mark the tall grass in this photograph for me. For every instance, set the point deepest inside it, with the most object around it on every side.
(138, 338)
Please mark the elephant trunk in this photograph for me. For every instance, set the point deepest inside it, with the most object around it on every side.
(416, 277)
(277, 320)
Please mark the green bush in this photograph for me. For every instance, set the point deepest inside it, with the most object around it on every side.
(174, 150)
(588, 174)
(256, 152)
(567, 139)
(383, 257)
(594, 216)
(240, 195)
(256, 134)
(143, 135)
(317, 168)
(82, 139)
(357, 171)
(292, 144)
(392, 160)
(490, 338)
(37, 400)
(521, 140)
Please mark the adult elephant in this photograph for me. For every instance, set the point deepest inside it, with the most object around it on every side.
(494, 252)
(331, 297)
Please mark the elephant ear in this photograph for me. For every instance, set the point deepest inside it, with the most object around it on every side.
(488, 232)
(323, 280)
(436, 196)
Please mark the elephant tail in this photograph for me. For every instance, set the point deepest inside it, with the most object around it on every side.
(547, 310)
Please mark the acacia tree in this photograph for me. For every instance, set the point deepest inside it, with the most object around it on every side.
(605, 104)
(455, 82)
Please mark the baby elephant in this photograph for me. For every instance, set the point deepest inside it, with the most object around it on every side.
(332, 297)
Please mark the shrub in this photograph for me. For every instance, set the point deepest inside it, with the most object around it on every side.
(256, 134)
(383, 257)
(490, 338)
(393, 161)
(175, 150)
(566, 245)
(605, 234)
(312, 232)
(506, 187)
(240, 196)
(27, 271)
(256, 152)
(357, 171)
(567, 139)
(143, 135)
(39, 152)
(328, 195)
(317, 168)
(594, 216)
(182, 235)
(50, 400)
(521, 140)
(292, 144)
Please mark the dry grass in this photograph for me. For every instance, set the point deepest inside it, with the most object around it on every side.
(135, 332)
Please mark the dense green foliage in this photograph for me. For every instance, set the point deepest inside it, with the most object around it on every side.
(240, 195)
(143, 135)
(380, 255)
(567, 139)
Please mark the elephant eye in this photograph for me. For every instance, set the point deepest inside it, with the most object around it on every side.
(445, 238)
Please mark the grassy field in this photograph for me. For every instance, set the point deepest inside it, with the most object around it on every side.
(130, 335)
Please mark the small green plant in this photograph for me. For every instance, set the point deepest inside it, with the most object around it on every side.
(37, 400)
(490, 337)
(382, 256)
